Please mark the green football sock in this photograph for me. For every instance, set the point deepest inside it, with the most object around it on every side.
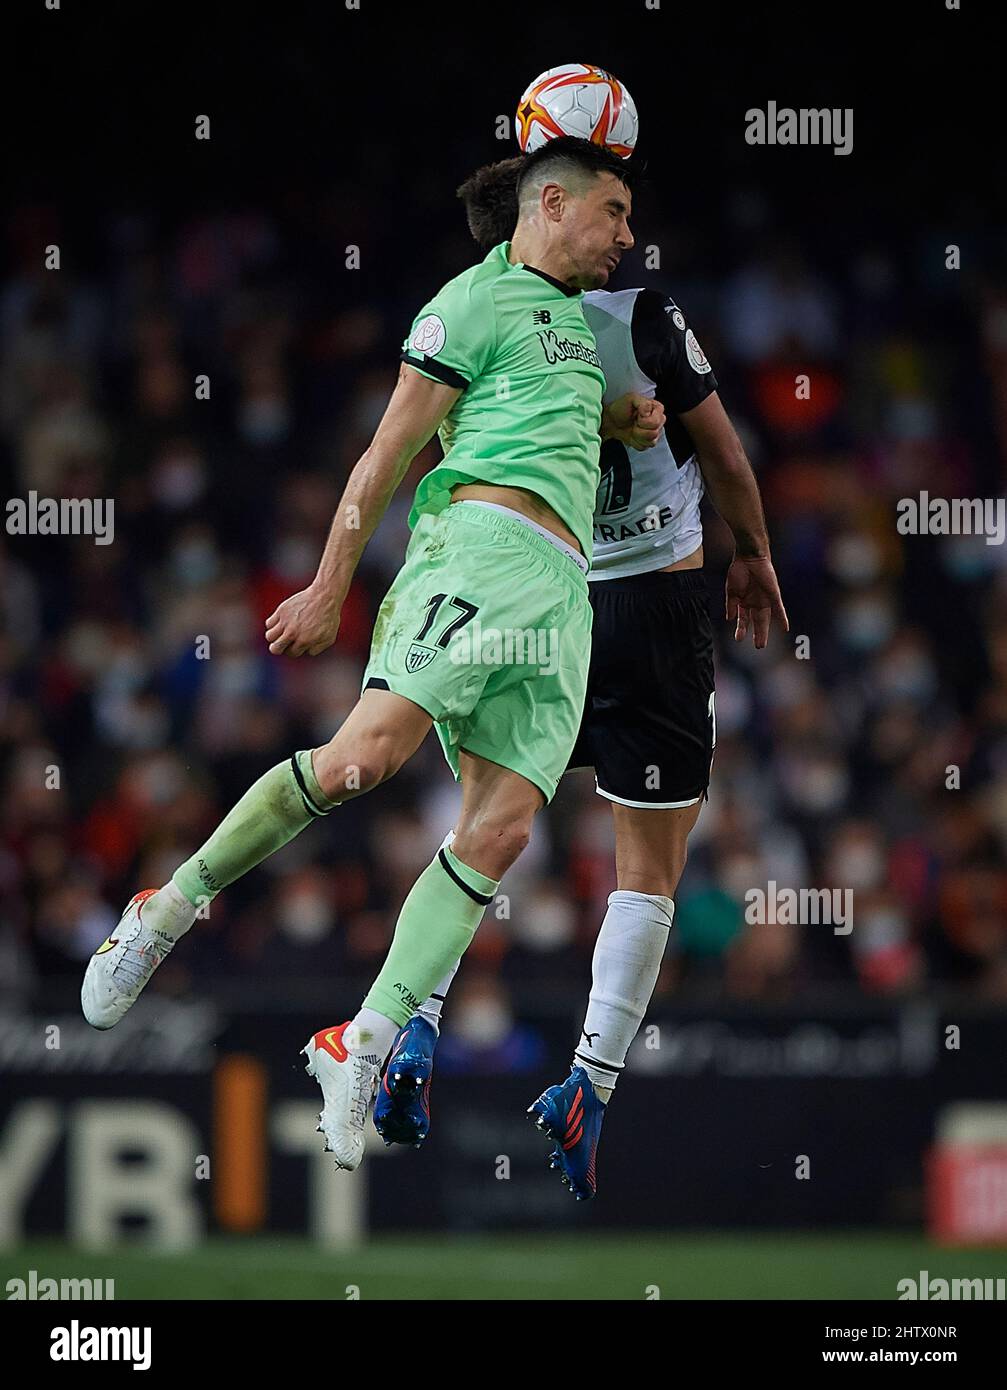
(274, 809)
(436, 924)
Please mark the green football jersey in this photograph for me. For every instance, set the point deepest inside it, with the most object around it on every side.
(517, 343)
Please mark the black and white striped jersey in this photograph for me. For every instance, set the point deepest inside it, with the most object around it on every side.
(647, 510)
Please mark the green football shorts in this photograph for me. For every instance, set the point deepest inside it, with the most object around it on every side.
(487, 627)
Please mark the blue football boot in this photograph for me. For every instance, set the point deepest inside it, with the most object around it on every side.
(571, 1115)
(402, 1105)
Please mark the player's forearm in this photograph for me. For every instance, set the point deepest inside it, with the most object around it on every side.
(608, 427)
(731, 487)
(370, 488)
(418, 406)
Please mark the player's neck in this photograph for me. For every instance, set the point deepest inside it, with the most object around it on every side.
(534, 251)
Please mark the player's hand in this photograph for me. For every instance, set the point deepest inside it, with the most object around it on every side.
(304, 624)
(753, 598)
(636, 420)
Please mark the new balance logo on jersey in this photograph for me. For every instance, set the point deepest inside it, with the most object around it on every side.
(541, 316)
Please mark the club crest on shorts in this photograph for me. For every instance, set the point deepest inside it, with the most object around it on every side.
(417, 657)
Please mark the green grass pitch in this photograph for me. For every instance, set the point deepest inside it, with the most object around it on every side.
(594, 1265)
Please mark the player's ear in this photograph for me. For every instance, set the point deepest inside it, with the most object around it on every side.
(553, 201)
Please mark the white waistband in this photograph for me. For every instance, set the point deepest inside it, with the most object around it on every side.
(546, 535)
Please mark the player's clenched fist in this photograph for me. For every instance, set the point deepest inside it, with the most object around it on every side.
(636, 420)
(304, 624)
(647, 424)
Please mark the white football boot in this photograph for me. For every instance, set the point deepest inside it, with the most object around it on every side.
(348, 1081)
(122, 965)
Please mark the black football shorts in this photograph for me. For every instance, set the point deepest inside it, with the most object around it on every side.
(649, 726)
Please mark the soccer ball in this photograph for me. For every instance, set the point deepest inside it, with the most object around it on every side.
(577, 99)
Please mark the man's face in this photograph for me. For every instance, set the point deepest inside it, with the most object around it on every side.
(596, 230)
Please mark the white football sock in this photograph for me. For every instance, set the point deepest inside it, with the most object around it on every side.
(374, 1034)
(430, 1009)
(169, 911)
(627, 958)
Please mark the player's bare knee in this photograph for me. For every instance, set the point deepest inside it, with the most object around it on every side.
(337, 776)
(345, 769)
(513, 840)
(491, 845)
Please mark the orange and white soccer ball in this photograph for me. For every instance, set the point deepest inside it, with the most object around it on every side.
(577, 99)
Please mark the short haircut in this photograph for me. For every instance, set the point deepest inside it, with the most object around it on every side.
(571, 162)
(491, 194)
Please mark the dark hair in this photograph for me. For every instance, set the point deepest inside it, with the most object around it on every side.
(570, 153)
(490, 198)
(492, 194)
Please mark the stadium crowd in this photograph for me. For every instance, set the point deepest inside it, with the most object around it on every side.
(866, 751)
